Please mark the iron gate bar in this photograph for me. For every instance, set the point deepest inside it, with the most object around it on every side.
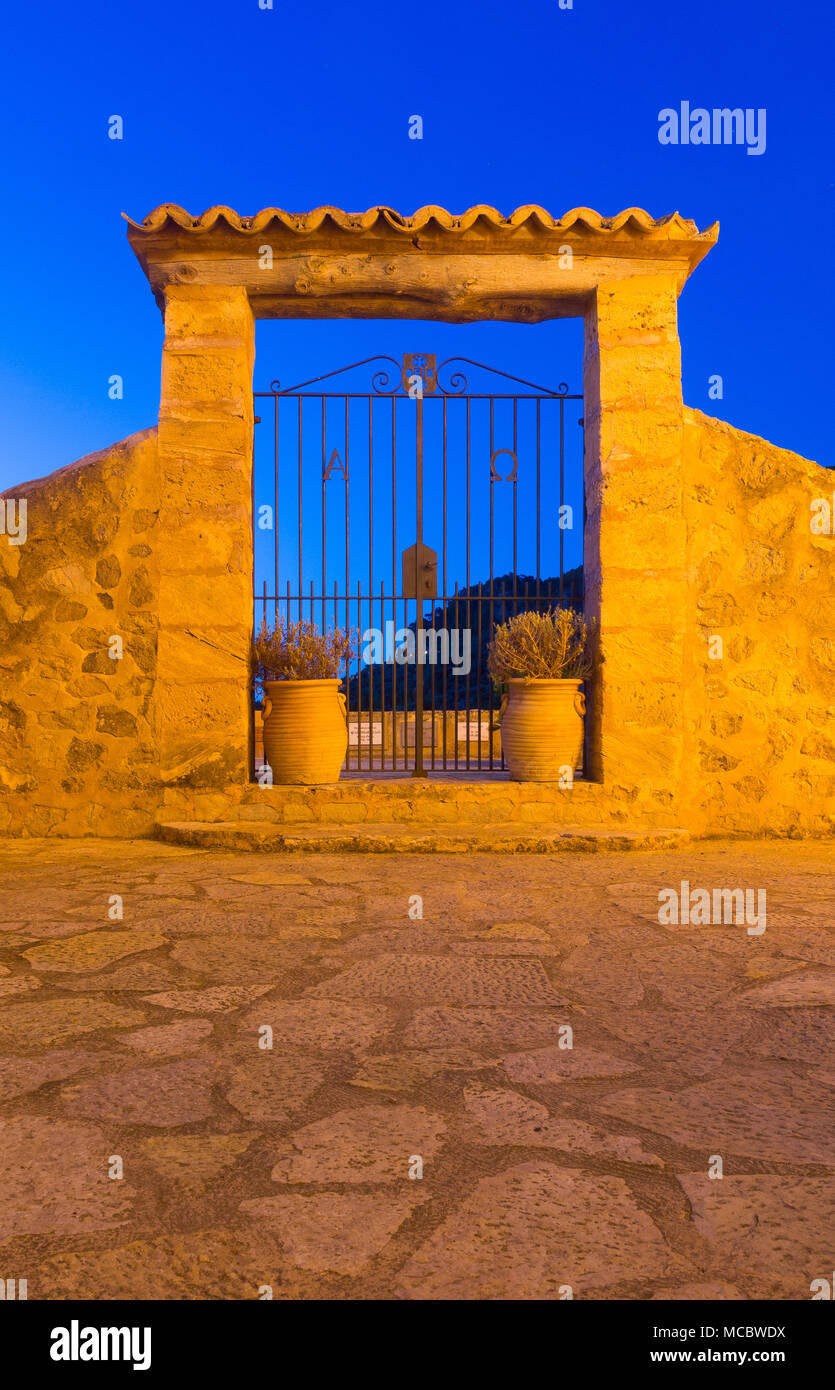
(492, 503)
(479, 606)
(562, 492)
(418, 768)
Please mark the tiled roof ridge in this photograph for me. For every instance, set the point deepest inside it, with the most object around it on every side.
(636, 220)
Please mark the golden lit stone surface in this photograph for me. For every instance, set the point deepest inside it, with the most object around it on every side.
(289, 1166)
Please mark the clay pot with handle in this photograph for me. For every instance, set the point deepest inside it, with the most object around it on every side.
(305, 730)
(542, 728)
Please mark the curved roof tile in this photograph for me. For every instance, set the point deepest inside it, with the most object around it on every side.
(634, 220)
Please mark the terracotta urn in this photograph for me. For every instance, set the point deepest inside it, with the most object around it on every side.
(305, 731)
(542, 728)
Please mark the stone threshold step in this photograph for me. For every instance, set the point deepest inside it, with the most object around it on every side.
(381, 838)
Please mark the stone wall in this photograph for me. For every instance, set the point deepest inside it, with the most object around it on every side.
(147, 544)
(91, 745)
(77, 744)
(760, 718)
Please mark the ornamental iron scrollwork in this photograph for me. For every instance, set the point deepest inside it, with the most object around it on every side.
(393, 378)
(379, 381)
(458, 383)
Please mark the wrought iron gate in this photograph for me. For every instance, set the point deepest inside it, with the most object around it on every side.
(418, 513)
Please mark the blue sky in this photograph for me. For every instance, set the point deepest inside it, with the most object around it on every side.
(308, 103)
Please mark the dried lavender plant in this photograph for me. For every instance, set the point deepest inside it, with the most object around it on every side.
(300, 652)
(541, 646)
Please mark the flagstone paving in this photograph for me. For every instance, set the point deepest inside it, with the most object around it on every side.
(271, 1077)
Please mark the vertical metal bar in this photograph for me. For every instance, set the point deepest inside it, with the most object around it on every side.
(275, 513)
(467, 558)
(515, 471)
(538, 498)
(562, 491)
(254, 600)
(515, 602)
(492, 489)
(383, 710)
(514, 606)
(405, 669)
(370, 678)
(583, 531)
(418, 768)
(394, 590)
(253, 688)
(300, 511)
(479, 606)
(336, 624)
(455, 717)
(347, 528)
(359, 690)
(444, 615)
(467, 589)
(430, 672)
(370, 584)
(432, 702)
(324, 508)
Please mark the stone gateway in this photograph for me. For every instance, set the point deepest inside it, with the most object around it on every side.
(125, 614)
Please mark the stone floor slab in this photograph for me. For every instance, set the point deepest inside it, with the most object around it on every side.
(503, 1117)
(321, 1025)
(272, 1085)
(332, 1232)
(533, 1231)
(546, 1065)
(367, 1145)
(450, 1026)
(176, 1093)
(53, 1020)
(757, 1222)
(92, 950)
(54, 1179)
(783, 1120)
(498, 981)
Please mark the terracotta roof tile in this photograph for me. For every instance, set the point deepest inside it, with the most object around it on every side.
(634, 221)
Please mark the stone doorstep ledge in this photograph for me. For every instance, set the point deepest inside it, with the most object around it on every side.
(433, 801)
(437, 786)
(382, 838)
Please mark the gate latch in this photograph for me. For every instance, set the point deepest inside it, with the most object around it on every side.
(420, 572)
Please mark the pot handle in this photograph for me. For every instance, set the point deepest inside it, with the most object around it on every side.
(341, 698)
(266, 708)
(501, 714)
(580, 702)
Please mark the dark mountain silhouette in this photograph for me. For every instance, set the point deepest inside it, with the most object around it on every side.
(478, 608)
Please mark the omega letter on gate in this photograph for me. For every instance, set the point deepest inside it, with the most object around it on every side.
(495, 476)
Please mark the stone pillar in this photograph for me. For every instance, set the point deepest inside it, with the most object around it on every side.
(635, 536)
(205, 537)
